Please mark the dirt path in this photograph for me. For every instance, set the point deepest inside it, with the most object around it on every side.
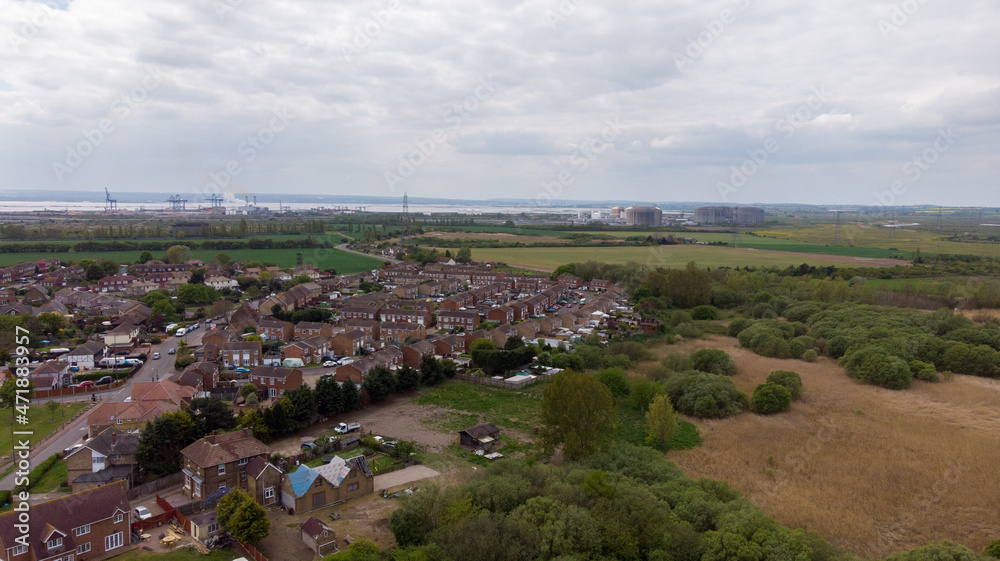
(403, 476)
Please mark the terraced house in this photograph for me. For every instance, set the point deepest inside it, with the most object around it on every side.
(91, 525)
(219, 462)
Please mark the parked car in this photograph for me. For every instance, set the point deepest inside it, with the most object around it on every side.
(308, 446)
(156, 356)
(85, 384)
(142, 513)
(72, 449)
(171, 351)
(242, 369)
(103, 380)
(329, 363)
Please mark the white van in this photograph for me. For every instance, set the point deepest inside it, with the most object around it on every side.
(181, 332)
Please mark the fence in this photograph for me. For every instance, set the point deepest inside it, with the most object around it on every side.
(154, 486)
(252, 551)
(42, 394)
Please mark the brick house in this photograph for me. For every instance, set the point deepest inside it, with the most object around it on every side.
(310, 351)
(116, 283)
(396, 333)
(348, 343)
(93, 524)
(201, 376)
(399, 315)
(106, 458)
(413, 353)
(502, 314)
(371, 328)
(318, 536)
(271, 329)
(242, 353)
(219, 462)
(449, 346)
(273, 381)
(306, 329)
(359, 312)
(466, 319)
(307, 489)
(263, 481)
(85, 355)
(128, 416)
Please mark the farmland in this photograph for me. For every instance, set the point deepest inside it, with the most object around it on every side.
(548, 258)
(342, 261)
(873, 236)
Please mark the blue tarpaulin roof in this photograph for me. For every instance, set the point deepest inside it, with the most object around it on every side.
(302, 479)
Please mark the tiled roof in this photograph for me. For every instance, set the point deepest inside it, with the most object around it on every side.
(224, 448)
(63, 515)
(272, 372)
(315, 528)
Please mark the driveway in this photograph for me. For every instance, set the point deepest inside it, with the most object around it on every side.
(403, 476)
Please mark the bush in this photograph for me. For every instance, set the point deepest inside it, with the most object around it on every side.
(679, 317)
(738, 325)
(770, 398)
(810, 356)
(677, 362)
(993, 549)
(790, 380)
(635, 352)
(768, 338)
(689, 331)
(924, 371)
(873, 364)
(713, 361)
(705, 395)
(705, 312)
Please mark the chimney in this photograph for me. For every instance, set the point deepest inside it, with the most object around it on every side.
(114, 437)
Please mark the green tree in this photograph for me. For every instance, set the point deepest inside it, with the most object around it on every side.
(430, 371)
(661, 420)
(228, 505)
(94, 272)
(52, 407)
(249, 524)
(145, 257)
(464, 255)
(351, 396)
(992, 549)
(178, 254)
(223, 259)
(197, 276)
(614, 378)
(407, 378)
(8, 391)
(379, 383)
(301, 405)
(644, 391)
(329, 399)
(211, 415)
(51, 322)
(577, 412)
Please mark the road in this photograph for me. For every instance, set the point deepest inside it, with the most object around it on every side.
(77, 431)
(343, 247)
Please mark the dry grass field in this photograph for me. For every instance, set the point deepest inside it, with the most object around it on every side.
(872, 470)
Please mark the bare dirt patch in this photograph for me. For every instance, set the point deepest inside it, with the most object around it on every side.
(397, 417)
(872, 470)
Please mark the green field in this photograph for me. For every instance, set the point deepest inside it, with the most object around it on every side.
(52, 478)
(342, 261)
(504, 408)
(332, 237)
(179, 554)
(874, 236)
(548, 258)
(39, 421)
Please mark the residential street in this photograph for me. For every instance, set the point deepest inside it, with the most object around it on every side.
(159, 369)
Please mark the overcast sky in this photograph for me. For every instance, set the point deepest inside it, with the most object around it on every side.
(854, 101)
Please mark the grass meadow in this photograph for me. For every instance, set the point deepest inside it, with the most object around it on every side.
(548, 258)
(871, 469)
